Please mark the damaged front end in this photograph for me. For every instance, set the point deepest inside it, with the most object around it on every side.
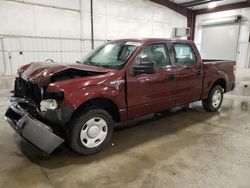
(39, 112)
(26, 118)
(39, 103)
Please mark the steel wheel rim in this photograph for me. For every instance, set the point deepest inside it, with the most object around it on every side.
(216, 99)
(94, 132)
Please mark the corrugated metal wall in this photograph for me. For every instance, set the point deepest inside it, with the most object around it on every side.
(20, 50)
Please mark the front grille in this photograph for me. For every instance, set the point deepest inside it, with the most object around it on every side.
(28, 90)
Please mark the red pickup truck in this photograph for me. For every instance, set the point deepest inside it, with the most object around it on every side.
(121, 80)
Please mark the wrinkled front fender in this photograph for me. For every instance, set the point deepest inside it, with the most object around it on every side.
(77, 98)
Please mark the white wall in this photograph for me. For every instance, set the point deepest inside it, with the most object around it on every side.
(30, 20)
(243, 57)
(60, 29)
(131, 18)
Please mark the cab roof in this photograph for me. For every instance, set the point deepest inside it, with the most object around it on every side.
(146, 40)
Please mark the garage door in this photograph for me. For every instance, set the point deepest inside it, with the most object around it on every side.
(220, 41)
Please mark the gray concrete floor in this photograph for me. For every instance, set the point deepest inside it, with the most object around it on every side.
(181, 148)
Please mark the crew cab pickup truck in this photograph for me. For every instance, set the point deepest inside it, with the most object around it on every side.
(121, 80)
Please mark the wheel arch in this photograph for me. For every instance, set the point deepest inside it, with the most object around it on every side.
(221, 82)
(103, 103)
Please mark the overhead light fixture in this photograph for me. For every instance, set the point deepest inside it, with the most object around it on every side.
(212, 5)
(222, 20)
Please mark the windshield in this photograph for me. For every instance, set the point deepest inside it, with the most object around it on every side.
(111, 55)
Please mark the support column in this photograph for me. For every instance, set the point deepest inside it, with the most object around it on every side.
(191, 17)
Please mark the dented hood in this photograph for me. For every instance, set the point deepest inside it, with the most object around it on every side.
(41, 72)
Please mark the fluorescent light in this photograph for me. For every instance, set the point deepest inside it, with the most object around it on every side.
(223, 20)
(212, 5)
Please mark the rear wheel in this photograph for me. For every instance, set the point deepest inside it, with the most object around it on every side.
(214, 100)
(90, 131)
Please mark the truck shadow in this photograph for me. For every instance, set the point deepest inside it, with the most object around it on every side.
(126, 136)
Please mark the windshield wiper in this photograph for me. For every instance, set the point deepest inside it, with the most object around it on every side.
(92, 63)
(111, 66)
(100, 65)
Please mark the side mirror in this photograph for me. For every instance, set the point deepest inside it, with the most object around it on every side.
(144, 68)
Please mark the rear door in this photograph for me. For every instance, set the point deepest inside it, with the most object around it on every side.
(189, 74)
(148, 93)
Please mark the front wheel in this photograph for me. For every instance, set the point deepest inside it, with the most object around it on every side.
(90, 131)
(214, 100)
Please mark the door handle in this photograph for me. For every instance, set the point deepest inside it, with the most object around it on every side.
(172, 76)
(199, 73)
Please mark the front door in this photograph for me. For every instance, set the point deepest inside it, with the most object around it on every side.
(148, 93)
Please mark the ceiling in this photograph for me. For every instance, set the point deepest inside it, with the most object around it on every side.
(204, 3)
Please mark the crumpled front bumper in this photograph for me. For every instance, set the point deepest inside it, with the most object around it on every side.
(32, 130)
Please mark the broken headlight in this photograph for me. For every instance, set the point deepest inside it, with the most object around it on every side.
(51, 100)
(48, 104)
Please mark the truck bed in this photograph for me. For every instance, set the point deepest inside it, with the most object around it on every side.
(211, 69)
(206, 61)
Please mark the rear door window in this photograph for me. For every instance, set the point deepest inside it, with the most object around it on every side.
(184, 54)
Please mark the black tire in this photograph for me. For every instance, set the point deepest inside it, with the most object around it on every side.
(208, 104)
(77, 125)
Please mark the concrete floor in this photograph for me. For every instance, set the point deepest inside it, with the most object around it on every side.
(182, 148)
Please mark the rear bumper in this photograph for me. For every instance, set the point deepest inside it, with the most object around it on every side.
(32, 130)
